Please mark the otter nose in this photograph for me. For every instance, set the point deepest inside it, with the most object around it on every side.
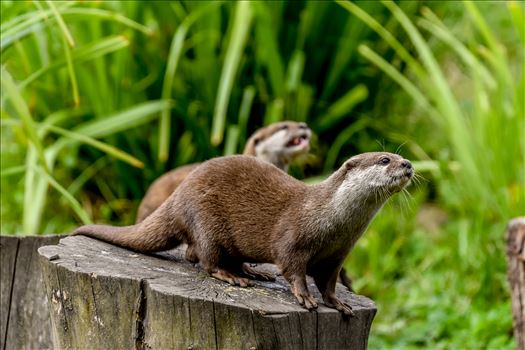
(406, 164)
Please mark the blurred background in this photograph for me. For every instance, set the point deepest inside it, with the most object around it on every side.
(99, 98)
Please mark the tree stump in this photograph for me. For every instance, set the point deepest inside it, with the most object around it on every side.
(516, 275)
(24, 313)
(105, 297)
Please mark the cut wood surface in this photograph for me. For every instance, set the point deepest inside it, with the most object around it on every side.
(106, 297)
(24, 313)
(516, 275)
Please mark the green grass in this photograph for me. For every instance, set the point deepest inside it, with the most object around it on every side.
(100, 98)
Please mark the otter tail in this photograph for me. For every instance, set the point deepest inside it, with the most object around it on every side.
(157, 232)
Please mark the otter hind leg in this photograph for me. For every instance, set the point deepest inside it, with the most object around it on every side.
(191, 254)
(230, 277)
(221, 267)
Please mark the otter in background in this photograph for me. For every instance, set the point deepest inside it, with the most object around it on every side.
(278, 143)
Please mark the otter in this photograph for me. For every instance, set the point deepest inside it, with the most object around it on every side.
(236, 210)
(278, 143)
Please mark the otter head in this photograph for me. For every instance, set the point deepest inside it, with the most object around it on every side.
(280, 143)
(379, 171)
(375, 175)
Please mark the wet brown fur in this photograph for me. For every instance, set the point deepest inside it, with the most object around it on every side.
(238, 209)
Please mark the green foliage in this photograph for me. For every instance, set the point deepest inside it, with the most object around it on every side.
(100, 98)
(480, 117)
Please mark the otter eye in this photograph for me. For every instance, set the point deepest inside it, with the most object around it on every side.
(256, 141)
(284, 127)
(384, 160)
(303, 126)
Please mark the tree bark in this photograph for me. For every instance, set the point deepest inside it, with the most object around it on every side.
(106, 297)
(516, 275)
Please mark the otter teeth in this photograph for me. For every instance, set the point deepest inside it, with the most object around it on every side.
(296, 141)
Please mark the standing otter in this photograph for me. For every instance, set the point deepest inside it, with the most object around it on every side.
(239, 209)
(278, 143)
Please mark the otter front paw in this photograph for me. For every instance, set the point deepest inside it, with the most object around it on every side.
(334, 302)
(306, 300)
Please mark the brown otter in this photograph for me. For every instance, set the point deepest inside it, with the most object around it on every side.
(239, 209)
(278, 143)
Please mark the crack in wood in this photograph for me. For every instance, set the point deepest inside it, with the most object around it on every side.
(141, 315)
(11, 295)
(215, 325)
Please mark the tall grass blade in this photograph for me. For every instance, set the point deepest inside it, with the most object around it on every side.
(267, 50)
(132, 117)
(176, 48)
(295, 71)
(81, 54)
(344, 53)
(86, 175)
(25, 24)
(11, 90)
(342, 138)
(274, 111)
(177, 45)
(239, 35)
(73, 203)
(244, 111)
(33, 205)
(433, 25)
(61, 24)
(386, 35)
(499, 61)
(518, 17)
(414, 92)
(341, 108)
(13, 171)
(232, 140)
(104, 147)
(72, 74)
(81, 13)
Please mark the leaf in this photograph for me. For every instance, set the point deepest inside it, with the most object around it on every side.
(414, 92)
(232, 140)
(22, 110)
(239, 36)
(81, 13)
(176, 48)
(61, 24)
(267, 47)
(386, 35)
(81, 54)
(341, 108)
(73, 203)
(518, 17)
(104, 147)
(129, 118)
(342, 138)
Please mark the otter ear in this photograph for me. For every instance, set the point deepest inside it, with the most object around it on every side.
(350, 164)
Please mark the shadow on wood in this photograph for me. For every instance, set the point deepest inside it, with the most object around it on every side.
(516, 275)
(105, 297)
(24, 313)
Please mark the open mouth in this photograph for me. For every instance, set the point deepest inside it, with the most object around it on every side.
(298, 141)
